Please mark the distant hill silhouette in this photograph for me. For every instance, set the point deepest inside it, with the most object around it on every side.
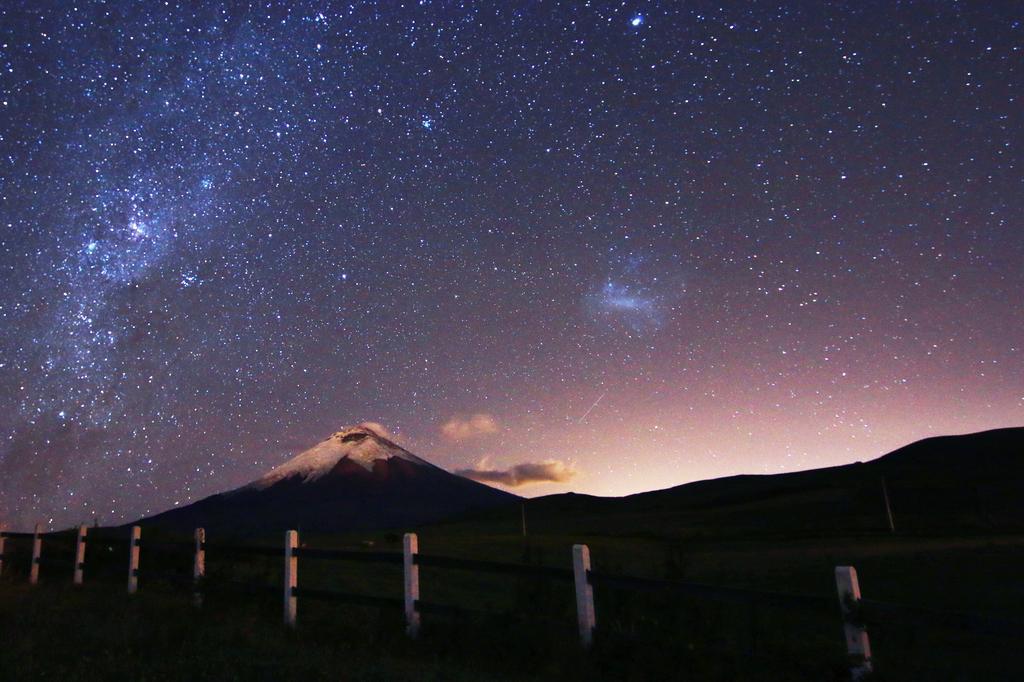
(967, 483)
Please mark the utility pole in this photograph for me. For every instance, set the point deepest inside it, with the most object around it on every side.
(523, 510)
(888, 507)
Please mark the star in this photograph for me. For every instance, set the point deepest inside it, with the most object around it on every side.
(253, 228)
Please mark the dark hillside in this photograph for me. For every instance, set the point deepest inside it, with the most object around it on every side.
(968, 483)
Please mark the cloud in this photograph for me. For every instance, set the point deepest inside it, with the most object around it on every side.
(459, 428)
(545, 471)
(380, 430)
(384, 432)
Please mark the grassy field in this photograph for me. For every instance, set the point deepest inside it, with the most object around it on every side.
(528, 630)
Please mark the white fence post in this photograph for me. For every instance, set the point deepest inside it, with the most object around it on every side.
(3, 541)
(410, 548)
(199, 565)
(585, 613)
(291, 576)
(37, 551)
(80, 554)
(133, 560)
(857, 644)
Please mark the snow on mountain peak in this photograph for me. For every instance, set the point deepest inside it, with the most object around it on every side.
(363, 444)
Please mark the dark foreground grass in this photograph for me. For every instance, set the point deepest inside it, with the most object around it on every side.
(60, 633)
(65, 634)
(57, 632)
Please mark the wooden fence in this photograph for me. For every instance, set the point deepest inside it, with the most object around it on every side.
(856, 612)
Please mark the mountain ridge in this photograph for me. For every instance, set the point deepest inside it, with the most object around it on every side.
(355, 479)
(967, 480)
(363, 444)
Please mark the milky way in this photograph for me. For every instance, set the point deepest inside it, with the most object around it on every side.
(768, 238)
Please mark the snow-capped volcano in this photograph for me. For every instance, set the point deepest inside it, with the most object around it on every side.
(363, 445)
(357, 478)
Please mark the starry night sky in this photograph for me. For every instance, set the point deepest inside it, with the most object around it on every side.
(654, 243)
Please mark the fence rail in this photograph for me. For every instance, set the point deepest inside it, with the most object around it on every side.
(878, 613)
(857, 613)
(242, 550)
(713, 592)
(18, 536)
(492, 567)
(347, 597)
(347, 555)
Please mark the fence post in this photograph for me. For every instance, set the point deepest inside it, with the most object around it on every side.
(585, 613)
(410, 548)
(291, 576)
(37, 551)
(857, 645)
(199, 566)
(3, 541)
(133, 560)
(888, 507)
(80, 554)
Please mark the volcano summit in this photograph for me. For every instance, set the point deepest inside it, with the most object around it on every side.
(356, 479)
